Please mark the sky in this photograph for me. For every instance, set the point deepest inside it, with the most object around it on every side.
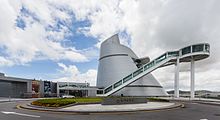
(60, 40)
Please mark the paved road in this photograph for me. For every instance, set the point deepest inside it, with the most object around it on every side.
(191, 111)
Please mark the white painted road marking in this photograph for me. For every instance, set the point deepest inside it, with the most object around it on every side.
(203, 119)
(21, 114)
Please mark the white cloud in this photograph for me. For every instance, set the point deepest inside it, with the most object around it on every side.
(5, 62)
(35, 41)
(158, 26)
(153, 27)
(72, 74)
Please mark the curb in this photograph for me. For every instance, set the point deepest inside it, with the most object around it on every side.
(208, 103)
(200, 102)
(11, 101)
(5, 101)
(25, 106)
(74, 104)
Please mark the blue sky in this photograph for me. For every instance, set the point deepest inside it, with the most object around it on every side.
(60, 40)
(49, 69)
(80, 50)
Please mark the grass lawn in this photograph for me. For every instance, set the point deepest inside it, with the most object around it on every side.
(154, 99)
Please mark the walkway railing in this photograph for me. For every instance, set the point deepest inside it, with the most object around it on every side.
(197, 52)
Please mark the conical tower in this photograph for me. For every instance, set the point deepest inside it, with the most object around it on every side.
(117, 61)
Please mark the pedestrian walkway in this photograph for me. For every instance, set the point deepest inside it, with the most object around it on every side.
(119, 108)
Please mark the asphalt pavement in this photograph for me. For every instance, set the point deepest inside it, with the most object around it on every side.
(192, 111)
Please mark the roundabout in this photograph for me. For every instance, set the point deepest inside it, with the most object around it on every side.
(190, 111)
(99, 108)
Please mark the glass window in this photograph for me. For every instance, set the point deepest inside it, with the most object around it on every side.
(118, 84)
(207, 48)
(108, 89)
(99, 91)
(186, 50)
(197, 48)
(127, 78)
(137, 72)
(149, 65)
(173, 54)
(161, 58)
(146, 67)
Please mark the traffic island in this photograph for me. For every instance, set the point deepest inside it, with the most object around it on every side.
(99, 108)
(96, 107)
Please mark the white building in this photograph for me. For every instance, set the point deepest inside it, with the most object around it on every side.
(121, 72)
(117, 61)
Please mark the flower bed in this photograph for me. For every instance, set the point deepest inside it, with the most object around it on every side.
(59, 102)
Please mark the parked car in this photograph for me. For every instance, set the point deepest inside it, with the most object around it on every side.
(68, 96)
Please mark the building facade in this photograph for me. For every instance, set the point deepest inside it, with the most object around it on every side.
(14, 87)
(26, 88)
(75, 89)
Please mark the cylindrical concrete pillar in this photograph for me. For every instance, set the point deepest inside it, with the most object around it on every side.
(176, 82)
(58, 90)
(192, 82)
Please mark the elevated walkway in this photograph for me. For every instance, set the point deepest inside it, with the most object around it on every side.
(187, 54)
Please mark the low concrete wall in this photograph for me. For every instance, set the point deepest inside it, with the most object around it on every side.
(123, 100)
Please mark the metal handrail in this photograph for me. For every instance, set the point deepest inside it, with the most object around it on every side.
(165, 56)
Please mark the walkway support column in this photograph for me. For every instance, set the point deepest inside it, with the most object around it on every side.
(192, 83)
(58, 90)
(176, 82)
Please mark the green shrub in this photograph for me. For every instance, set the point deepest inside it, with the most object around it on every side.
(53, 102)
(157, 100)
(58, 102)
